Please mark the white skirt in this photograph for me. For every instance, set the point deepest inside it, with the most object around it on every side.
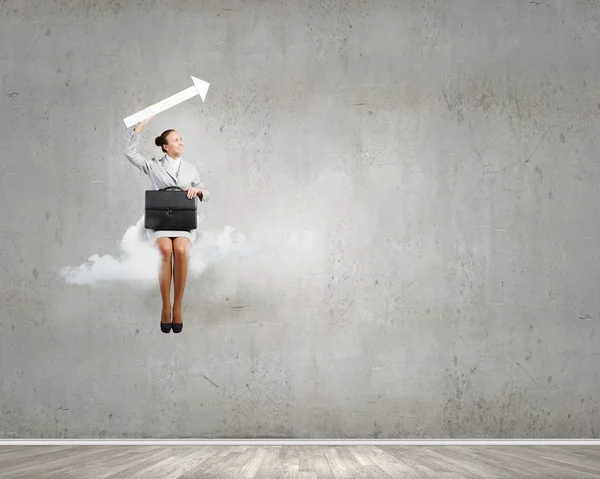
(153, 235)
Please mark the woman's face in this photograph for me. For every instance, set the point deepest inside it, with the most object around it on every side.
(174, 144)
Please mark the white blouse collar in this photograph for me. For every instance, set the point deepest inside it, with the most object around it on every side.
(172, 165)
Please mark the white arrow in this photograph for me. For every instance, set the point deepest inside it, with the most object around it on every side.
(200, 88)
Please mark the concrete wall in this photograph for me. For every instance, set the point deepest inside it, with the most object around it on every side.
(421, 178)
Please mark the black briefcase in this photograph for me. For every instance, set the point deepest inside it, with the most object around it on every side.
(170, 210)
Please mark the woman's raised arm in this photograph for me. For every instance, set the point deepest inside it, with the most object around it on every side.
(131, 150)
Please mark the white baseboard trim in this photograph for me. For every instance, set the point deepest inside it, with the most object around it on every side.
(299, 442)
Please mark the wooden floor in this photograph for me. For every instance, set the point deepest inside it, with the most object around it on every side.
(306, 462)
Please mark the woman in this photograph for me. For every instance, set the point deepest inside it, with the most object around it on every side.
(169, 170)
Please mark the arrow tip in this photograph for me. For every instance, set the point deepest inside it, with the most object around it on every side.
(201, 86)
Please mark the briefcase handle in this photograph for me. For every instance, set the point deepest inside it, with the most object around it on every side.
(170, 187)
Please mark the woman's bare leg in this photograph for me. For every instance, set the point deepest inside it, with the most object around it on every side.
(165, 246)
(180, 248)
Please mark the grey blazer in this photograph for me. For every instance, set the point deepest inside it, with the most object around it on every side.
(159, 177)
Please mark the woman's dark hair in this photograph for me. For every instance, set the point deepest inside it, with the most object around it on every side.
(162, 139)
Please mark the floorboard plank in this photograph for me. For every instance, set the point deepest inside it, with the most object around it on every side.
(299, 462)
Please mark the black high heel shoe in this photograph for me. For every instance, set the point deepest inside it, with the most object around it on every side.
(177, 327)
(165, 327)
